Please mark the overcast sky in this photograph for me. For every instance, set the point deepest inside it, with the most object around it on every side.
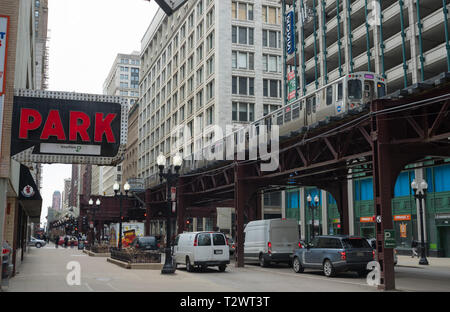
(85, 37)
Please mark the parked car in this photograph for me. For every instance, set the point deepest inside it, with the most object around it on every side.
(373, 243)
(7, 266)
(272, 240)
(334, 254)
(232, 245)
(201, 249)
(38, 243)
(145, 243)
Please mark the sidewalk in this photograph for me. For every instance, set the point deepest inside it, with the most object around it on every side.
(432, 262)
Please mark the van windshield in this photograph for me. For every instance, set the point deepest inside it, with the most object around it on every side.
(284, 235)
(354, 89)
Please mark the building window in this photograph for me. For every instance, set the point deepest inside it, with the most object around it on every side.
(210, 65)
(210, 90)
(271, 15)
(210, 18)
(242, 11)
(243, 85)
(243, 60)
(272, 63)
(210, 115)
(269, 109)
(271, 39)
(199, 98)
(243, 111)
(210, 41)
(242, 35)
(272, 88)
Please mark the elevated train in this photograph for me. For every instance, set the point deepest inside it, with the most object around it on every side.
(352, 92)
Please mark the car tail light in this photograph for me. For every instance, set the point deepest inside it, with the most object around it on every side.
(300, 245)
(343, 255)
(227, 241)
(269, 244)
(195, 241)
(373, 254)
(158, 245)
(5, 251)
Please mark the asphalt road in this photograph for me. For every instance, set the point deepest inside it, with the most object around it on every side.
(45, 269)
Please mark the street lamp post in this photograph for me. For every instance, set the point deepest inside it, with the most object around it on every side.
(171, 179)
(420, 193)
(118, 193)
(312, 207)
(94, 210)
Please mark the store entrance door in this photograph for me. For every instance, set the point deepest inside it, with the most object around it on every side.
(444, 236)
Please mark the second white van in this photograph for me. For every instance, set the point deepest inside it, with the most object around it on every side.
(201, 249)
(272, 240)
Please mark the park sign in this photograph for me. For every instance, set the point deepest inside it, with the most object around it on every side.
(68, 128)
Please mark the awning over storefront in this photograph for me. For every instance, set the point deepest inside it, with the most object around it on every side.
(29, 195)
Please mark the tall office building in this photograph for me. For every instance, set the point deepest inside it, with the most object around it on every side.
(212, 63)
(66, 193)
(123, 80)
(403, 40)
(56, 201)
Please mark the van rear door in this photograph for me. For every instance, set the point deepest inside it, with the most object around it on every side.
(203, 249)
(220, 250)
(284, 236)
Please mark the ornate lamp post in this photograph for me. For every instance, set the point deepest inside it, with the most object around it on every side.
(312, 207)
(171, 179)
(420, 193)
(94, 210)
(118, 194)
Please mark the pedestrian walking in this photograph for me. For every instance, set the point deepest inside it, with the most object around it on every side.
(414, 247)
(56, 241)
(66, 241)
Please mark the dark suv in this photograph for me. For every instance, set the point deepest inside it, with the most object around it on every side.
(145, 243)
(334, 254)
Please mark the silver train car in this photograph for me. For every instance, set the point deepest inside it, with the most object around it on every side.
(348, 93)
(352, 92)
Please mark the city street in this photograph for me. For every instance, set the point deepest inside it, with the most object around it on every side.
(45, 270)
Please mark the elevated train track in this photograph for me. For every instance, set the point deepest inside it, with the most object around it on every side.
(407, 127)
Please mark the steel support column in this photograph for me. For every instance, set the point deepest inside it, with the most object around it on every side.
(244, 196)
(383, 181)
(148, 211)
(339, 191)
(181, 206)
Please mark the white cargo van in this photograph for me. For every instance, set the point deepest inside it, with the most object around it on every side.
(201, 249)
(272, 240)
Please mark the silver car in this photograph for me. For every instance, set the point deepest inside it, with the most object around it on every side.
(38, 243)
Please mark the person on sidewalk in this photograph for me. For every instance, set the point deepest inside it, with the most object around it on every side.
(66, 241)
(56, 241)
(414, 246)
